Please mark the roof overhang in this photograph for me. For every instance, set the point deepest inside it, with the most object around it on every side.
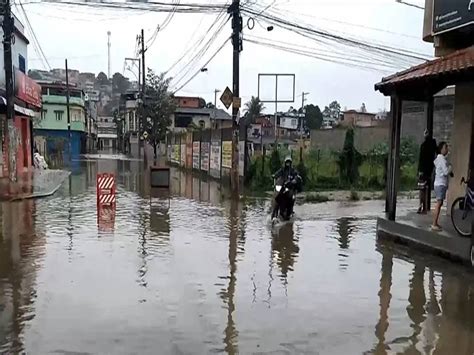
(425, 80)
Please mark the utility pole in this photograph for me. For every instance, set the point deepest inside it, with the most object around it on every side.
(216, 91)
(303, 111)
(8, 27)
(234, 10)
(68, 111)
(142, 118)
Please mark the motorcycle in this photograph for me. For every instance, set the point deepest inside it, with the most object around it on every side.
(285, 199)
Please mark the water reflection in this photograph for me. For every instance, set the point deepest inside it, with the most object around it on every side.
(345, 228)
(285, 248)
(20, 252)
(440, 307)
(190, 271)
(230, 332)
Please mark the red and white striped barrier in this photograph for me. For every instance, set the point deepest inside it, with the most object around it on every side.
(106, 199)
(105, 190)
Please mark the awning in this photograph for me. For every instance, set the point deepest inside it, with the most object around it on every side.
(432, 76)
(18, 109)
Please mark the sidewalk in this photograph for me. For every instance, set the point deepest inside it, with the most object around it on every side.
(33, 184)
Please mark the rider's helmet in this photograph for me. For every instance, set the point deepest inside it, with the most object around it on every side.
(288, 161)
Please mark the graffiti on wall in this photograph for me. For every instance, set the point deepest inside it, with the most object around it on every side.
(13, 143)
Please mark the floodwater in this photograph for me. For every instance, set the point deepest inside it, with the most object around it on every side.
(194, 273)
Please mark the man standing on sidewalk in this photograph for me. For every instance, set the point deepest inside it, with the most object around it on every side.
(428, 150)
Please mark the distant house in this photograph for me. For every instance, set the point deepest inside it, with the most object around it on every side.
(354, 118)
(187, 102)
(203, 118)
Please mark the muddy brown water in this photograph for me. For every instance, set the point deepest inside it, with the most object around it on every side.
(195, 273)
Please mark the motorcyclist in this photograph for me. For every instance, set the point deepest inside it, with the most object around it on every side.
(287, 174)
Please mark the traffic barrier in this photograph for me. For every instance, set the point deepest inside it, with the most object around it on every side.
(106, 189)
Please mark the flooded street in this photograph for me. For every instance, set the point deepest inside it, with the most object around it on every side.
(196, 273)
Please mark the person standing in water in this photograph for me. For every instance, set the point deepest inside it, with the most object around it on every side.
(442, 173)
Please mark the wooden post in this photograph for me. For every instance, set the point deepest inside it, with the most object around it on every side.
(429, 127)
(394, 172)
(388, 163)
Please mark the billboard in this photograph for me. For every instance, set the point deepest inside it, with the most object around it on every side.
(215, 163)
(183, 155)
(449, 15)
(176, 156)
(27, 89)
(196, 155)
(189, 150)
(227, 154)
(241, 158)
(205, 156)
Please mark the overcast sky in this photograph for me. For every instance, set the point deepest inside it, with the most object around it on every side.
(80, 34)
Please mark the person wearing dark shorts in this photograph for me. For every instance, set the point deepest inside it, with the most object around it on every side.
(428, 150)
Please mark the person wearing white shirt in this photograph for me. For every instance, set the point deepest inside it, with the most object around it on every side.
(442, 173)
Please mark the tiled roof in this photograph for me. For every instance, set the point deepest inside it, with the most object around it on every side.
(459, 62)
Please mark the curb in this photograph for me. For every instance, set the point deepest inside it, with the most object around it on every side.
(41, 194)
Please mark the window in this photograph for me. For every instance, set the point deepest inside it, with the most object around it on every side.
(22, 63)
(44, 91)
(59, 115)
(202, 124)
(43, 114)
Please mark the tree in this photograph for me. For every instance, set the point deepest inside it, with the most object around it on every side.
(159, 107)
(120, 84)
(202, 103)
(102, 79)
(254, 108)
(210, 105)
(313, 117)
(335, 110)
(349, 160)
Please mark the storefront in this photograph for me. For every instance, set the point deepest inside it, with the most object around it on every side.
(19, 139)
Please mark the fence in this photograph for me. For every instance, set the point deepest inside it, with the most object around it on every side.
(206, 151)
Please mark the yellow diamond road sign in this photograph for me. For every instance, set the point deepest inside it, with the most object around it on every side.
(145, 135)
(227, 97)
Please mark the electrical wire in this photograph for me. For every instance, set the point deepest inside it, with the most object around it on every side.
(205, 64)
(34, 37)
(195, 59)
(377, 50)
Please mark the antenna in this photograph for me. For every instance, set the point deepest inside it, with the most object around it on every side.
(108, 52)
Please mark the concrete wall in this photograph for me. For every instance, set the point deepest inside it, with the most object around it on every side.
(461, 139)
(413, 126)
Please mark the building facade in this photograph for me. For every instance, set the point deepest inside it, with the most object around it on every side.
(52, 136)
(16, 148)
(354, 118)
(107, 138)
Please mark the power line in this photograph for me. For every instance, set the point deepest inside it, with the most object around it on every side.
(205, 64)
(365, 46)
(410, 4)
(202, 51)
(33, 34)
(139, 6)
